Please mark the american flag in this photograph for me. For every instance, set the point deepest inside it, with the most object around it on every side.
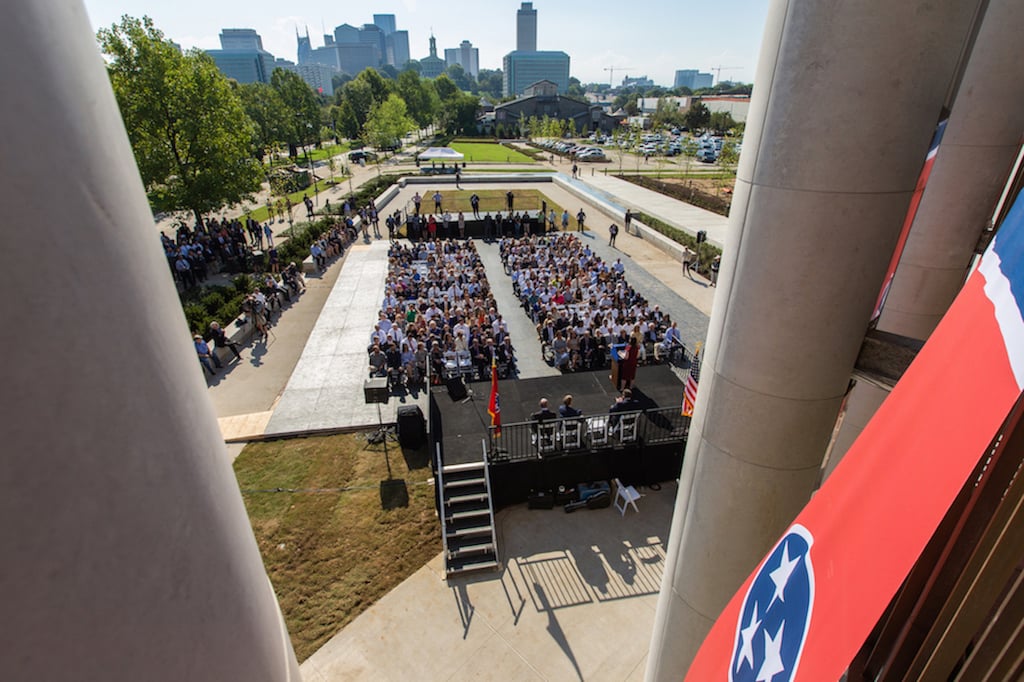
(690, 389)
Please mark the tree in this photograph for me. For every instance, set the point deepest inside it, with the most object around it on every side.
(667, 114)
(191, 137)
(489, 83)
(264, 107)
(721, 122)
(389, 71)
(387, 122)
(575, 89)
(303, 108)
(419, 96)
(462, 80)
(698, 116)
(729, 156)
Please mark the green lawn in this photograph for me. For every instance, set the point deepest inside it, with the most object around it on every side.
(330, 548)
(260, 214)
(490, 151)
(491, 201)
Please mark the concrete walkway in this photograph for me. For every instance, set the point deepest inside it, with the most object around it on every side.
(575, 600)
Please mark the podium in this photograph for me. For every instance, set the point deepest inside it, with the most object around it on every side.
(617, 351)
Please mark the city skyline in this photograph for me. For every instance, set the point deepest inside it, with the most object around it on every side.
(660, 37)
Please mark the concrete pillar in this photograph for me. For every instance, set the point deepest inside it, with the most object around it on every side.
(862, 403)
(978, 150)
(845, 102)
(127, 552)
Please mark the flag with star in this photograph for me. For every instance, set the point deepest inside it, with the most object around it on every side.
(867, 525)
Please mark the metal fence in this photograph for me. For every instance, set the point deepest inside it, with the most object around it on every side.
(550, 438)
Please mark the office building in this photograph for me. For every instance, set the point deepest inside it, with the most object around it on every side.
(386, 22)
(466, 56)
(522, 69)
(693, 79)
(638, 82)
(397, 49)
(316, 76)
(526, 28)
(432, 66)
(242, 56)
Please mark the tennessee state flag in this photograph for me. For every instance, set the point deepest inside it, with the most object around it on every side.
(815, 597)
(494, 405)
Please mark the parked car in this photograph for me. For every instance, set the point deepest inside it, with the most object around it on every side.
(361, 155)
(591, 155)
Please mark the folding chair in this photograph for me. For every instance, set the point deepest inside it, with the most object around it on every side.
(546, 437)
(627, 428)
(598, 427)
(572, 434)
(627, 495)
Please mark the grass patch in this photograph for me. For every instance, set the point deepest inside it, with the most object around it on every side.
(490, 151)
(331, 554)
(261, 214)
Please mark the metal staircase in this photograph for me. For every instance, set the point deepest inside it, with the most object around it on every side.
(467, 518)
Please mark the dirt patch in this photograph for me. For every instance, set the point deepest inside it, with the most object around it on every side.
(711, 194)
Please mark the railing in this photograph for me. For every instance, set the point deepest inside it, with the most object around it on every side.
(532, 440)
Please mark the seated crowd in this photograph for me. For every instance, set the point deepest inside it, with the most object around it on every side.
(581, 304)
(438, 309)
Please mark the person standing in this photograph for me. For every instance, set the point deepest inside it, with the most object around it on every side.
(627, 220)
(627, 364)
(580, 217)
(714, 270)
(575, 170)
(687, 262)
(437, 201)
(416, 200)
(565, 220)
(458, 179)
(552, 217)
(474, 202)
(509, 200)
(462, 226)
(613, 232)
(269, 233)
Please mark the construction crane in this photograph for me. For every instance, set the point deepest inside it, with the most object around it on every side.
(719, 69)
(611, 73)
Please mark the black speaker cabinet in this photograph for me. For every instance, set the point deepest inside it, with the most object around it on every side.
(376, 390)
(456, 389)
(412, 431)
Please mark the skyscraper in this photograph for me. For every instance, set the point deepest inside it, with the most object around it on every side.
(398, 48)
(466, 56)
(386, 22)
(526, 28)
(242, 56)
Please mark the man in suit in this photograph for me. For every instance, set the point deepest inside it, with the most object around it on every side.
(544, 413)
(566, 409)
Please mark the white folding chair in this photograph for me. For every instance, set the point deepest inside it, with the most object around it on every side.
(598, 427)
(546, 437)
(626, 495)
(572, 434)
(627, 428)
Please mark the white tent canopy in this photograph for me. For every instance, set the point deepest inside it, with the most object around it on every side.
(440, 154)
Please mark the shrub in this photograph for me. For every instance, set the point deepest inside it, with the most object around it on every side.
(706, 251)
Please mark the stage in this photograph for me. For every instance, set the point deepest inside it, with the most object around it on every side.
(650, 453)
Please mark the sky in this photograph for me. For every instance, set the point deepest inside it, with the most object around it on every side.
(652, 38)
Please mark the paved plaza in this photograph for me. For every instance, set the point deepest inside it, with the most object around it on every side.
(576, 595)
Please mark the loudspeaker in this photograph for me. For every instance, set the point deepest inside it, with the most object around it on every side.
(376, 390)
(411, 427)
(456, 389)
